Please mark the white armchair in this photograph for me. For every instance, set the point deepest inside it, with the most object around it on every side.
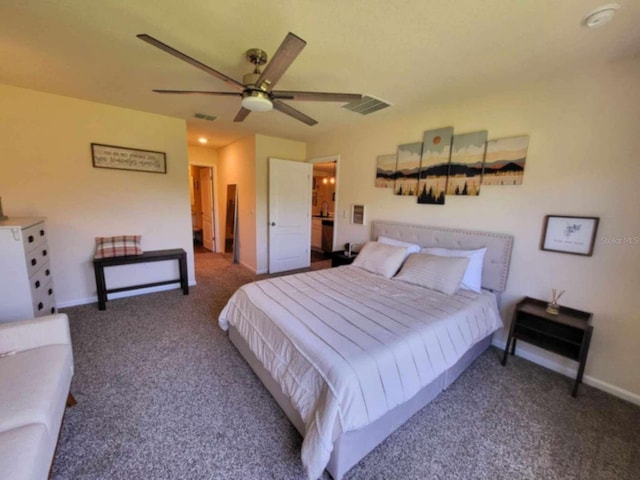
(36, 366)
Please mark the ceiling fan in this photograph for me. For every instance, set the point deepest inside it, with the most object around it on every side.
(256, 89)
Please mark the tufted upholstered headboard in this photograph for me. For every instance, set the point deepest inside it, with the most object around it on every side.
(496, 261)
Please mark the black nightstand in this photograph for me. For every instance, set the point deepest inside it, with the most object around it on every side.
(567, 334)
(339, 258)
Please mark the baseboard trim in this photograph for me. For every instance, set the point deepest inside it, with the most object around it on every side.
(525, 351)
(115, 296)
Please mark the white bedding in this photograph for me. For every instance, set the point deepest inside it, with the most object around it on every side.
(346, 346)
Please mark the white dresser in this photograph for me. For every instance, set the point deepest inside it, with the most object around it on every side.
(26, 282)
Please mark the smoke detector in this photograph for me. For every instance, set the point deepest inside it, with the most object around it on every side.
(601, 15)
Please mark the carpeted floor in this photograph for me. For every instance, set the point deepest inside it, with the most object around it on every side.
(162, 394)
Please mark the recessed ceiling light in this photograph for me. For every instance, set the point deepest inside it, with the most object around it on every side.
(203, 140)
(601, 15)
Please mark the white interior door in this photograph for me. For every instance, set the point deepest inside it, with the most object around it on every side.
(289, 215)
(206, 189)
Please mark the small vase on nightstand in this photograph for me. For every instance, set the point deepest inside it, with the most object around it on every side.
(553, 308)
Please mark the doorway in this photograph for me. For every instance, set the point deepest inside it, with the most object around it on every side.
(203, 219)
(324, 207)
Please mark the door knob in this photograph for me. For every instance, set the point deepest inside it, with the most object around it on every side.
(273, 224)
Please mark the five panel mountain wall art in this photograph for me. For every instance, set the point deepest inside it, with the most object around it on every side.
(504, 161)
(434, 167)
(447, 164)
(465, 167)
(407, 166)
(385, 170)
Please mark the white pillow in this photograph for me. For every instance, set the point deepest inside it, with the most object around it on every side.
(411, 247)
(442, 274)
(381, 259)
(472, 279)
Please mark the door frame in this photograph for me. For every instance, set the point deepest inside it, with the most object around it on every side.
(214, 189)
(332, 158)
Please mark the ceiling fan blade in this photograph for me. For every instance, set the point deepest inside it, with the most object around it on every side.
(192, 61)
(200, 92)
(316, 96)
(287, 52)
(292, 112)
(242, 114)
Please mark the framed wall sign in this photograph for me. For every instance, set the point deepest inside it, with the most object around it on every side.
(568, 234)
(121, 158)
(357, 214)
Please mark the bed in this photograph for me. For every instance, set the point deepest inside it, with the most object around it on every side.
(351, 355)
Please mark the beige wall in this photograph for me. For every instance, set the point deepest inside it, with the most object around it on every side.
(269, 147)
(203, 156)
(46, 170)
(582, 160)
(245, 163)
(236, 165)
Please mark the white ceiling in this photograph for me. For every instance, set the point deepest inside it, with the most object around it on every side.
(410, 53)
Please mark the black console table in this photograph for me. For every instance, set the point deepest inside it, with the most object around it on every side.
(99, 265)
(568, 333)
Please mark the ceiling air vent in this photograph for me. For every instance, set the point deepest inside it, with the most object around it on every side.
(204, 116)
(367, 105)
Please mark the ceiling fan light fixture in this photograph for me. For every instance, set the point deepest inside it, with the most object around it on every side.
(257, 101)
(257, 87)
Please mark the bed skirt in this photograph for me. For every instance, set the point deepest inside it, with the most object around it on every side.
(352, 446)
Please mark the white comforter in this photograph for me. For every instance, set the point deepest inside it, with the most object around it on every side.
(347, 346)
